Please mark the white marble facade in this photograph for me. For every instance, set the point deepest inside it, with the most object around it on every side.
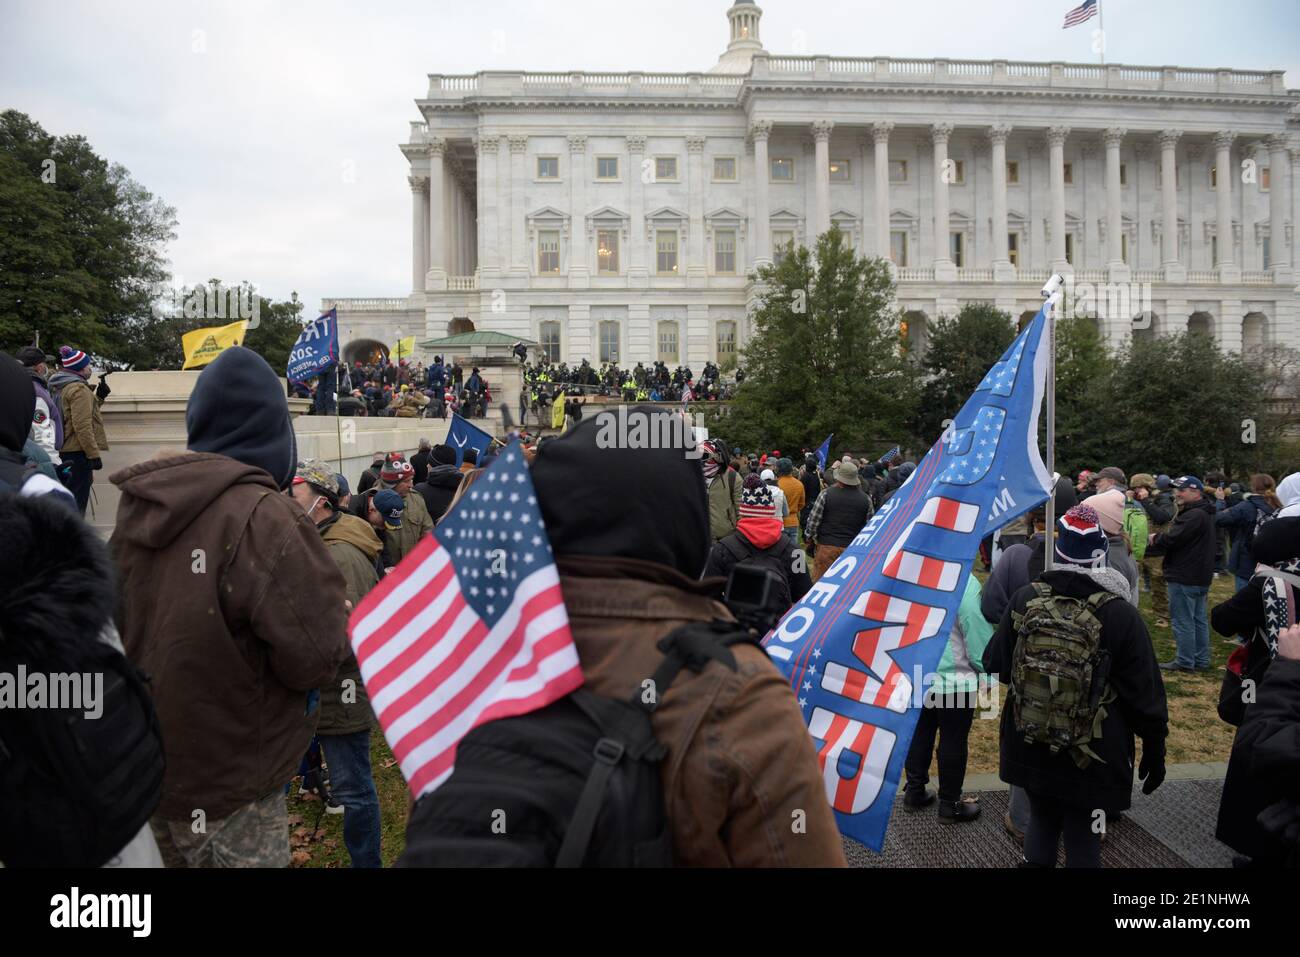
(520, 180)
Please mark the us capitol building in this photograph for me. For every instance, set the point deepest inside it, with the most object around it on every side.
(617, 216)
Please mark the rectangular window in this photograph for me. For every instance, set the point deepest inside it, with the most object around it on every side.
(958, 173)
(726, 340)
(665, 168)
(1013, 248)
(724, 251)
(782, 243)
(1069, 248)
(724, 169)
(1013, 172)
(548, 167)
(898, 171)
(1267, 258)
(606, 167)
(1160, 176)
(1069, 173)
(1123, 247)
(548, 251)
(666, 252)
(668, 342)
(1214, 250)
(1263, 179)
(607, 252)
(550, 336)
(898, 247)
(840, 171)
(609, 342)
(1214, 177)
(957, 247)
(1123, 174)
(782, 169)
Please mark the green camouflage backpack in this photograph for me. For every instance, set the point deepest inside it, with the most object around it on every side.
(1059, 691)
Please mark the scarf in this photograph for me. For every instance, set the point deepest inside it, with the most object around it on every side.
(1280, 602)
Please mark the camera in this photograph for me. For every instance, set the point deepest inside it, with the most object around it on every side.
(751, 594)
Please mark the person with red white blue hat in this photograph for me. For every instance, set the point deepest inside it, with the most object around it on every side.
(84, 440)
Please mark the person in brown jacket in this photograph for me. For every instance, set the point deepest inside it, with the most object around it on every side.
(344, 729)
(84, 440)
(630, 531)
(231, 604)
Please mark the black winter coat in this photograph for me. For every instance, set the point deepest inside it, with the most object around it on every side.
(1264, 768)
(1189, 545)
(722, 560)
(1139, 709)
(439, 488)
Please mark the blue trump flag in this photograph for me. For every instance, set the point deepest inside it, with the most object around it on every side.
(823, 451)
(316, 350)
(857, 649)
(462, 435)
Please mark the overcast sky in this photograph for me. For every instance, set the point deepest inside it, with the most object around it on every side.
(249, 116)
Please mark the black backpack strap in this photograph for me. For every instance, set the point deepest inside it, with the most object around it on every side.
(737, 545)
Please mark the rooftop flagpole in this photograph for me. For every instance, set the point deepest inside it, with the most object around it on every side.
(1101, 26)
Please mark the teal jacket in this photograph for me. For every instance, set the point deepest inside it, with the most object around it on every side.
(960, 666)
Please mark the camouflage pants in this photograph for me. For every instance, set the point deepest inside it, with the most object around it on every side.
(256, 835)
(1153, 565)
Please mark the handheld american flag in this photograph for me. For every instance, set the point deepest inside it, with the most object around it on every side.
(470, 627)
(884, 608)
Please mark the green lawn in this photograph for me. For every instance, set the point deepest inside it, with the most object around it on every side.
(1195, 735)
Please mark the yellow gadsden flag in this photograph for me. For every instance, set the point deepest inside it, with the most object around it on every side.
(404, 349)
(557, 412)
(203, 345)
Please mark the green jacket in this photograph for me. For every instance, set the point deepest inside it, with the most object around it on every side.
(353, 544)
(724, 504)
(960, 666)
(416, 523)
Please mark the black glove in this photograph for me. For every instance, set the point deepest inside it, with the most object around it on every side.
(102, 390)
(96, 464)
(1151, 771)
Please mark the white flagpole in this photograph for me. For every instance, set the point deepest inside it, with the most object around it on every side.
(1052, 293)
(1101, 25)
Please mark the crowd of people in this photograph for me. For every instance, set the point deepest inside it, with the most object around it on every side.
(223, 598)
(544, 381)
(406, 389)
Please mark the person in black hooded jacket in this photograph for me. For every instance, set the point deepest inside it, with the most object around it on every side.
(1189, 547)
(1065, 798)
(441, 481)
(17, 468)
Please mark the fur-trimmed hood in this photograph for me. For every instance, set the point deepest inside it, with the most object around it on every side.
(57, 588)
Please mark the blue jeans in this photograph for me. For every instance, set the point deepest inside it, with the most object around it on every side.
(792, 532)
(353, 786)
(1187, 608)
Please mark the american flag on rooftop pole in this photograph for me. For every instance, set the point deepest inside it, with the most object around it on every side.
(1084, 11)
(470, 627)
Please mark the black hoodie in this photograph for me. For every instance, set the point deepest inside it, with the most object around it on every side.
(643, 503)
(1189, 545)
(439, 488)
(238, 409)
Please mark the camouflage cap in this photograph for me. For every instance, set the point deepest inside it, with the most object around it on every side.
(1143, 480)
(319, 476)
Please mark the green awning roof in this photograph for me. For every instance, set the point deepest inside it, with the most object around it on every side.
(475, 339)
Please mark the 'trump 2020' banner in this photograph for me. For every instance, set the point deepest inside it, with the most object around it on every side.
(316, 350)
(884, 609)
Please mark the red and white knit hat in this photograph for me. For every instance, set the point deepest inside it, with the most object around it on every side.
(756, 499)
(74, 360)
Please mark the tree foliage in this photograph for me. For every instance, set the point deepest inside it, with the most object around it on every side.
(81, 242)
(824, 355)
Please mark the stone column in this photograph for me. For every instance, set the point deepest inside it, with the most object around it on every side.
(1295, 208)
(437, 274)
(1279, 199)
(419, 211)
(454, 230)
(821, 131)
(1056, 164)
(1002, 270)
(1169, 205)
(638, 273)
(759, 131)
(697, 270)
(1113, 137)
(943, 265)
(880, 134)
(488, 211)
(1223, 179)
(579, 267)
(1193, 258)
(518, 184)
